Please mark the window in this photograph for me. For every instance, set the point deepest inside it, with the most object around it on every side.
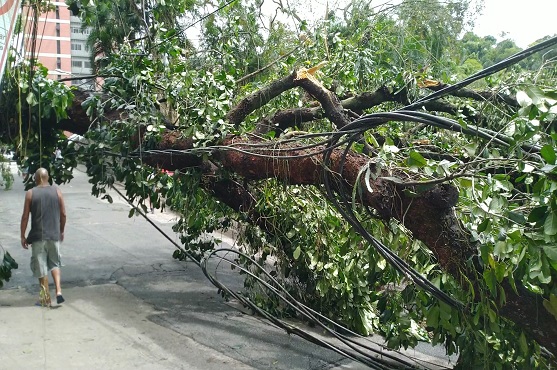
(58, 63)
(86, 64)
(76, 46)
(87, 48)
(76, 63)
(80, 31)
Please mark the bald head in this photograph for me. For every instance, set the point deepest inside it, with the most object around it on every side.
(41, 176)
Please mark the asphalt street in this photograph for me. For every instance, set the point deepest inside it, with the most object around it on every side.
(130, 305)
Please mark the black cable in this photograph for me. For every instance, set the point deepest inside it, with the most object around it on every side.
(355, 350)
(406, 114)
(140, 211)
(361, 352)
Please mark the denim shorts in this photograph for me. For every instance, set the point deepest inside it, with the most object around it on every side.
(45, 256)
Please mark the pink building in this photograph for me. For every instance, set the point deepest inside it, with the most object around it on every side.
(60, 44)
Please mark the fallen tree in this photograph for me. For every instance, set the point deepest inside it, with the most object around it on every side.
(459, 185)
(428, 215)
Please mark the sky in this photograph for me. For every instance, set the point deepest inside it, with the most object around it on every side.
(525, 21)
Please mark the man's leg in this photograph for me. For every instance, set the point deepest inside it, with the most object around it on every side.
(44, 295)
(54, 263)
(40, 270)
(56, 277)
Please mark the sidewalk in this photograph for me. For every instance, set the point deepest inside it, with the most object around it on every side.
(101, 327)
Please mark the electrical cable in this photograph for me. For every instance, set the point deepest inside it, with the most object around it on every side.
(382, 358)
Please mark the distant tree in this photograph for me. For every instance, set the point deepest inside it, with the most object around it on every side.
(474, 46)
(503, 50)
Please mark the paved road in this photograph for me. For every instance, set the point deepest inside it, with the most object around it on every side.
(129, 305)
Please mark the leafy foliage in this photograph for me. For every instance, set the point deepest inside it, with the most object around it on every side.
(8, 264)
(31, 97)
(159, 80)
(6, 176)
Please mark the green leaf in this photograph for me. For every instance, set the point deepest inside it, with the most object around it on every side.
(548, 153)
(550, 252)
(523, 99)
(502, 247)
(523, 343)
(492, 315)
(367, 180)
(433, 317)
(537, 214)
(551, 305)
(548, 168)
(8, 259)
(371, 139)
(490, 280)
(416, 159)
(536, 94)
(467, 183)
(517, 217)
(500, 270)
(31, 99)
(502, 296)
(297, 253)
(550, 225)
(483, 225)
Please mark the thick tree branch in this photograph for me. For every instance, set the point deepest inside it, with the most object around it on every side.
(259, 99)
(328, 100)
(289, 118)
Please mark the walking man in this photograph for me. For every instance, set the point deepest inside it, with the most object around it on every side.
(48, 219)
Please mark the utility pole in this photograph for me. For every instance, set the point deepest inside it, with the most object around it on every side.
(8, 14)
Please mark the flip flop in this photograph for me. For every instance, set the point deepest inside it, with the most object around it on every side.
(60, 299)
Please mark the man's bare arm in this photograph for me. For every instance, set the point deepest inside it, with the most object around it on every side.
(25, 218)
(62, 214)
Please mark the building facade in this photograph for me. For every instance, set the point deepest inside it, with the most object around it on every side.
(80, 54)
(60, 45)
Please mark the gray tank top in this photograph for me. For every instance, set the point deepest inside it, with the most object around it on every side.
(45, 214)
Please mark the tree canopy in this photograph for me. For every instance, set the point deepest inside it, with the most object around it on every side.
(353, 155)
